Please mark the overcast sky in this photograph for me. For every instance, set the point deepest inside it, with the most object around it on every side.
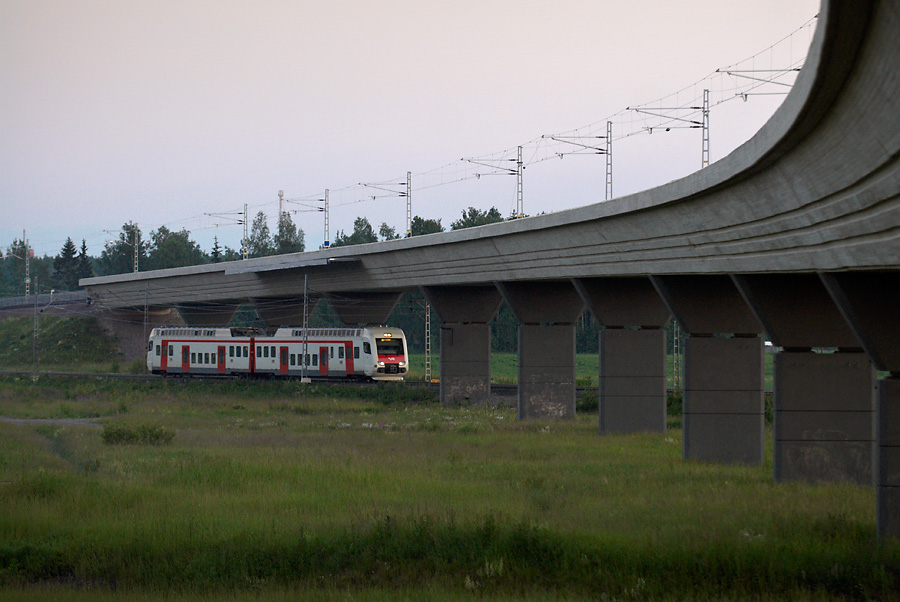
(161, 111)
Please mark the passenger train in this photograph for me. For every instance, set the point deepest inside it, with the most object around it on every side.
(376, 353)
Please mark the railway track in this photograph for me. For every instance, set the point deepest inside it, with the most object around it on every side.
(496, 389)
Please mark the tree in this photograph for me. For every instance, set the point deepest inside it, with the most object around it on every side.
(173, 250)
(216, 253)
(65, 267)
(118, 255)
(85, 263)
(472, 217)
(362, 233)
(387, 232)
(260, 243)
(289, 238)
(419, 226)
(230, 254)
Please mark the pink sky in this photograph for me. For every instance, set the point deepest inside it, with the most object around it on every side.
(159, 112)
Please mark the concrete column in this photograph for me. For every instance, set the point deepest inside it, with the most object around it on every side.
(824, 417)
(363, 308)
(887, 481)
(723, 407)
(824, 403)
(632, 381)
(465, 340)
(209, 315)
(632, 367)
(547, 311)
(868, 301)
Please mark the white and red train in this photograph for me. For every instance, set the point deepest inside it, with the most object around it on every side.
(377, 353)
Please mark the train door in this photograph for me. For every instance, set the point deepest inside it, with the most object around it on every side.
(323, 361)
(221, 360)
(164, 358)
(252, 358)
(185, 358)
(348, 353)
(283, 360)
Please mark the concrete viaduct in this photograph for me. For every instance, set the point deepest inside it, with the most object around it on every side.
(794, 237)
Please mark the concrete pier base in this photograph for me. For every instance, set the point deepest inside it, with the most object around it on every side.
(465, 340)
(887, 480)
(465, 363)
(546, 371)
(723, 418)
(824, 413)
(632, 381)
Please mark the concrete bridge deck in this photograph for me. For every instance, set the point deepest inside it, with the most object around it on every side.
(794, 236)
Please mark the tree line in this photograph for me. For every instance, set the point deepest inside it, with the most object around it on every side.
(168, 249)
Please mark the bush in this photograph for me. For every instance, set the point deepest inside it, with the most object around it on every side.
(142, 434)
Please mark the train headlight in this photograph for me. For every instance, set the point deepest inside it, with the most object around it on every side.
(381, 364)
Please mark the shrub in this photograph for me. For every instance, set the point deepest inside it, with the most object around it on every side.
(142, 434)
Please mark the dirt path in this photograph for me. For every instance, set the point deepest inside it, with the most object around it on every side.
(88, 422)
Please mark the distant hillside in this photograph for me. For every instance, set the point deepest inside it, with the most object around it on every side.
(63, 342)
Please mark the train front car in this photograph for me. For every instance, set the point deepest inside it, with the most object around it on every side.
(391, 353)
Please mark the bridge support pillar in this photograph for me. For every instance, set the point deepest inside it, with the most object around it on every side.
(465, 340)
(723, 410)
(824, 402)
(868, 302)
(632, 366)
(547, 312)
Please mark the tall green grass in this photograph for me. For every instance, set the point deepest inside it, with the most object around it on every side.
(278, 489)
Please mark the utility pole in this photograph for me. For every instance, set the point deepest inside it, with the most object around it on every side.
(280, 204)
(408, 203)
(136, 243)
(27, 265)
(327, 242)
(34, 336)
(304, 378)
(705, 148)
(520, 202)
(246, 242)
(609, 190)
(146, 308)
(427, 342)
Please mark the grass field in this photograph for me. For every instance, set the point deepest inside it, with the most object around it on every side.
(504, 368)
(274, 490)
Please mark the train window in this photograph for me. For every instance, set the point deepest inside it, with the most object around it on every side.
(184, 355)
(293, 360)
(315, 359)
(221, 355)
(307, 359)
(246, 351)
(265, 352)
(193, 358)
(367, 348)
(206, 358)
(150, 348)
(340, 353)
(273, 351)
(332, 351)
(356, 352)
(231, 351)
(259, 352)
(157, 351)
(171, 351)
